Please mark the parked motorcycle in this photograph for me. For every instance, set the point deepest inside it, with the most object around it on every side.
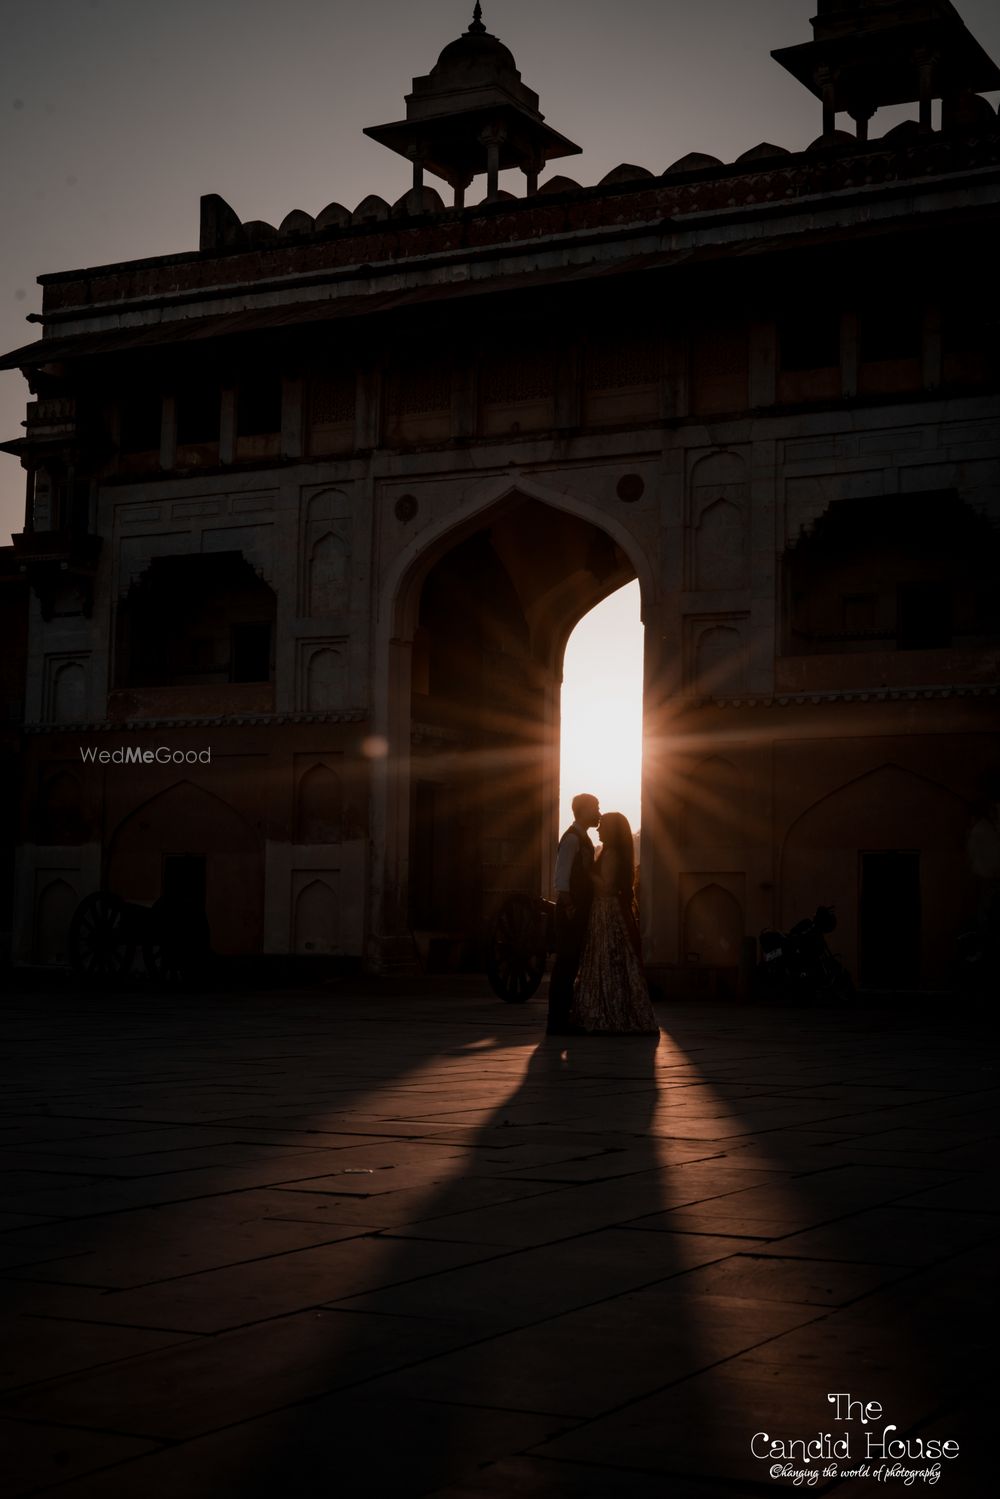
(798, 967)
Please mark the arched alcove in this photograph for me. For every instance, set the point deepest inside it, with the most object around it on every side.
(887, 850)
(893, 572)
(53, 914)
(327, 575)
(213, 846)
(719, 661)
(326, 680)
(713, 928)
(197, 620)
(316, 916)
(720, 544)
(69, 693)
(320, 810)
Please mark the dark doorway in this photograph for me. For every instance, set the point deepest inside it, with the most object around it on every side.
(184, 880)
(889, 945)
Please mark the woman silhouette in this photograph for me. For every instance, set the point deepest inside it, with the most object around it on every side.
(610, 994)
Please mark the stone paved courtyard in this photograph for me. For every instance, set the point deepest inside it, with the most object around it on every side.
(316, 1243)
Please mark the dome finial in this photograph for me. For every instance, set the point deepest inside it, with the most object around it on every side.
(476, 24)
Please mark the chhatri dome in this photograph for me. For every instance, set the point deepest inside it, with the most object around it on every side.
(472, 114)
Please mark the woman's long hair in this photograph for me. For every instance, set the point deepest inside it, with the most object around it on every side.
(616, 838)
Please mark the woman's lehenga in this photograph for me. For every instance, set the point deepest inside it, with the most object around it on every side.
(610, 994)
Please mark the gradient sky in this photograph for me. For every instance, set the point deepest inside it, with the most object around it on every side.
(601, 739)
(118, 114)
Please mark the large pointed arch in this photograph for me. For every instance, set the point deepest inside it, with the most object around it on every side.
(554, 603)
(401, 585)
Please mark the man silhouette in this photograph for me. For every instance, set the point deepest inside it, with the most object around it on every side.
(574, 893)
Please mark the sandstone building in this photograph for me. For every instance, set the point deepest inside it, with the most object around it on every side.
(328, 498)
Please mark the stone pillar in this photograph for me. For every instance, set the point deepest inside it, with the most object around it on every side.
(933, 347)
(568, 386)
(763, 363)
(464, 402)
(292, 415)
(531, 170)
(29, 500)
(493, 138)
(227, 425)
(861, 115)
(849, 353)
(826, 84)
(168, 432)
(927, 64)
(460, 184)
(368, 408)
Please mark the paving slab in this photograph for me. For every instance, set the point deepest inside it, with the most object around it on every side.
(33, 1351)
(518, 1288)
(207, 1383)
(595, 1359)
(329, 1446)
(403, 1236)
(546, 1478)
(40, 1455)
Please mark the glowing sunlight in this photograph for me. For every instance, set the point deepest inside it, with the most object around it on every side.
(602, 708)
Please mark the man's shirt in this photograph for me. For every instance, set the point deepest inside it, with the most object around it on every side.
(569, 847)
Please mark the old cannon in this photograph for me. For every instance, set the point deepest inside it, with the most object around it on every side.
(105, 932)
(523, 935)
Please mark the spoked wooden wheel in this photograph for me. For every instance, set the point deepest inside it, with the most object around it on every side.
(101, 939)
(517, 953)
(177, 945)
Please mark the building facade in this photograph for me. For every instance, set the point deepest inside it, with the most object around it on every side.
(313, 510)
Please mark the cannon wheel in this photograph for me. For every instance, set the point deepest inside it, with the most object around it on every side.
(101, 938)
(517, 957)
(177, 944)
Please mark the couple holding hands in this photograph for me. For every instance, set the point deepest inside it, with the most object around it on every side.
(597, 983)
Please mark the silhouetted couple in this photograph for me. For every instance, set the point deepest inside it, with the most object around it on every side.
(597, 984)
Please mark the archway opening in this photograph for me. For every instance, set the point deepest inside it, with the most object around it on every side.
(601, 710)
(491, 620)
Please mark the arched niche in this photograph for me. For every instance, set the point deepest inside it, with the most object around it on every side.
(886, 811)
(196, 620)
(897, 572)
(323, 507)
(325, 552)
(326, 575)
(185, 821)
(719, 512)
(718, 469)
(720, 661)
(720, 547)
(326, 680)
(316, 917)
(713, 928)
(53, 914)
(69, 693)
(320, 810)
